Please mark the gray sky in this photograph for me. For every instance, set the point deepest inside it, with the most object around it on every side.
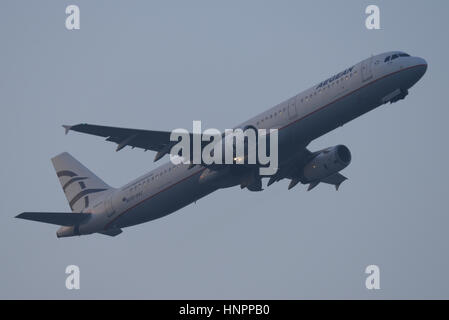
(160, 65)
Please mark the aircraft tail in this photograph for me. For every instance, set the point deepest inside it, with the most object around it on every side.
(79, 184)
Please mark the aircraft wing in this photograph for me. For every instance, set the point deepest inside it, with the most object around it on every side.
(58, 218)
(158, 141)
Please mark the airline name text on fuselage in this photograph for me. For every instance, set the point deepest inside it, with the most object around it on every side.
(335, 77)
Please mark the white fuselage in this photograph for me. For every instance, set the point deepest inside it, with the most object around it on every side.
(300, 119)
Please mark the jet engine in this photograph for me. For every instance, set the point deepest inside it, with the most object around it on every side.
(327, 162)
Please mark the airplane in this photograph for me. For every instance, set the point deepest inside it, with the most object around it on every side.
(97, 207)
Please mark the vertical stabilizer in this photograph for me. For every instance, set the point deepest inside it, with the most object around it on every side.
(79, 184)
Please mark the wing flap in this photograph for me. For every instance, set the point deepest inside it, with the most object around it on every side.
(58, 218)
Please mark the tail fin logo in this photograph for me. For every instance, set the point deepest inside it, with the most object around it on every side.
(84, 191)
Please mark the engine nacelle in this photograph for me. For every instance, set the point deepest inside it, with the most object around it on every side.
(327, 162)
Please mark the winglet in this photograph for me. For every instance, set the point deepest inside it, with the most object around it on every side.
(66, 128)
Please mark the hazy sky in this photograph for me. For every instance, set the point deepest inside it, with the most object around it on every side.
(161, 64)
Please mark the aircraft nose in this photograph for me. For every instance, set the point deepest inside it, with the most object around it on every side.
(422, 65)
(419, 68)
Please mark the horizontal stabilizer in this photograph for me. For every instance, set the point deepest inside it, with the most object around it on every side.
(58, 218)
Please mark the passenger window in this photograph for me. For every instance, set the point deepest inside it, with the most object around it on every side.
(387, 59)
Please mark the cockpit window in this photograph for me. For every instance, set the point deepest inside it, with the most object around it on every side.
(395, 56)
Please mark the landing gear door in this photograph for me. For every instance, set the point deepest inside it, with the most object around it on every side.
(367, 70)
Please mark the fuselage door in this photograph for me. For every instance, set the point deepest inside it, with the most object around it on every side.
(292, 108)
(367, 70)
